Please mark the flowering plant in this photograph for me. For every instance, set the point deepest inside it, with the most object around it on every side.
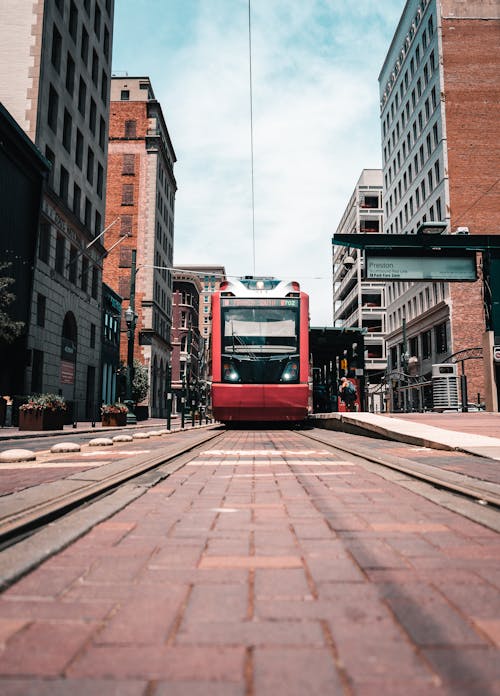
(113, 409)
(44, 402)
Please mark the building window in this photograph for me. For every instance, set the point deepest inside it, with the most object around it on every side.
(125, 258)
(126, 226)
(84, 52)
(73, 21)
(130, 129)
(95, 282)
(63, 183)
(67, 130)
(98, 222)
(60, 253)
(84, 280)
(92, 116)
(426, 345)
(90, 165)
(56, 48)
(70, 74)
(52, 109)
(79, 149)
(104, 88)
(92, 335)
(97, 20)
(125, 95)
(102, 133)
(82, 96)
(95, 68)
(41, 303)
(88, 213)
(106, 43)
(44, 242)
(127, 194)
(441, 338)
(73, 262)
(100, 179)
(128, 166)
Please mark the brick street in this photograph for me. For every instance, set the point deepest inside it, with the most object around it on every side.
(267, 565)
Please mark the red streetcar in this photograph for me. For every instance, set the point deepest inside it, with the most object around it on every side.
(260, 351)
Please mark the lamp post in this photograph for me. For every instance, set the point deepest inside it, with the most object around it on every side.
(404, 361)
(169, 394)
(131, 321)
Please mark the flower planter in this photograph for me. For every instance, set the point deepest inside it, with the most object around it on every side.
(114, 420)
(41, 420)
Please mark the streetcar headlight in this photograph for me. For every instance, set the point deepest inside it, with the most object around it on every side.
(291, 371)
(230, 373)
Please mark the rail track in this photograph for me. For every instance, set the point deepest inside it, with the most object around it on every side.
(26, 529)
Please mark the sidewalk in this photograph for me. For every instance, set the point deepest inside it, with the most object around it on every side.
(473, 433)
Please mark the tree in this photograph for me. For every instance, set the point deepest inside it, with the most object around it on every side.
(9, 329)
(140, 383)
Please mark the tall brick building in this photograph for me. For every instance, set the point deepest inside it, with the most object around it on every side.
(140, 206)
(440, 118)
(55, 69)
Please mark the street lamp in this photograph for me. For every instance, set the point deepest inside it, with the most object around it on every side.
(131, 321)
(169, 394)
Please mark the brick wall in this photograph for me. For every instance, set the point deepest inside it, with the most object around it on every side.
(471, 65)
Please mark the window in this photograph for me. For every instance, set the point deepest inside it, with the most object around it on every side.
(67, 130)
(127, 194)
(70, 74)
(63, 183)
(429, 179)
(438, 209)
(72, 265)
(41, 302)
(130, 129)
(56, 48)
(98, 222)
(104, 87)
(79, 149)
(84, 51)
(82, 96)
(441, 338)
(92, 116)
(90, 165)
(126, 226)
(102, 133)
(44, 242)
(52, 109)
(125, 95)
(437, 173)
(88, 213)
(125, 258)
(97, 20)
(106, 43)
(100, 179)
(426, 345)
(95, 281)
(60, 252)
(128, 166)
(73, 21)
(95, 68)
(92, 335)
(84, 279)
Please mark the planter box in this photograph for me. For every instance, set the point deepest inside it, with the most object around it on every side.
(41, 420)
(114, 420)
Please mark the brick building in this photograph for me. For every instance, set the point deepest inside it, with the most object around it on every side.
(55, 67)
(187, 344)
(140, 212)
(440, 118)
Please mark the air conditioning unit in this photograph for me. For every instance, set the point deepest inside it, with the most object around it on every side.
(445, 387)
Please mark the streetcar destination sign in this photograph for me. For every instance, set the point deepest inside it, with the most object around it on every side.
(259, 302)
(434, 265)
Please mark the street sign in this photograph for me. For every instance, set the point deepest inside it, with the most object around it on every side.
(420, 264)
(496, 353)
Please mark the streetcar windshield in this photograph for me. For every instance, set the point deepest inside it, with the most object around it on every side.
(260, 330)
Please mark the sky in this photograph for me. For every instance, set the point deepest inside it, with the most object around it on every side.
(316, 126)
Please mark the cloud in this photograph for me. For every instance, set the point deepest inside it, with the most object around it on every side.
(315, 114)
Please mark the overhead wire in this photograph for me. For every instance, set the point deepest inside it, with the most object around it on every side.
(251, 128)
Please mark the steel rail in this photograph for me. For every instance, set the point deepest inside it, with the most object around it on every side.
(482, 491)
(27, 518)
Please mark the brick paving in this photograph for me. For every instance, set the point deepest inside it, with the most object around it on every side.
(265, 566)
